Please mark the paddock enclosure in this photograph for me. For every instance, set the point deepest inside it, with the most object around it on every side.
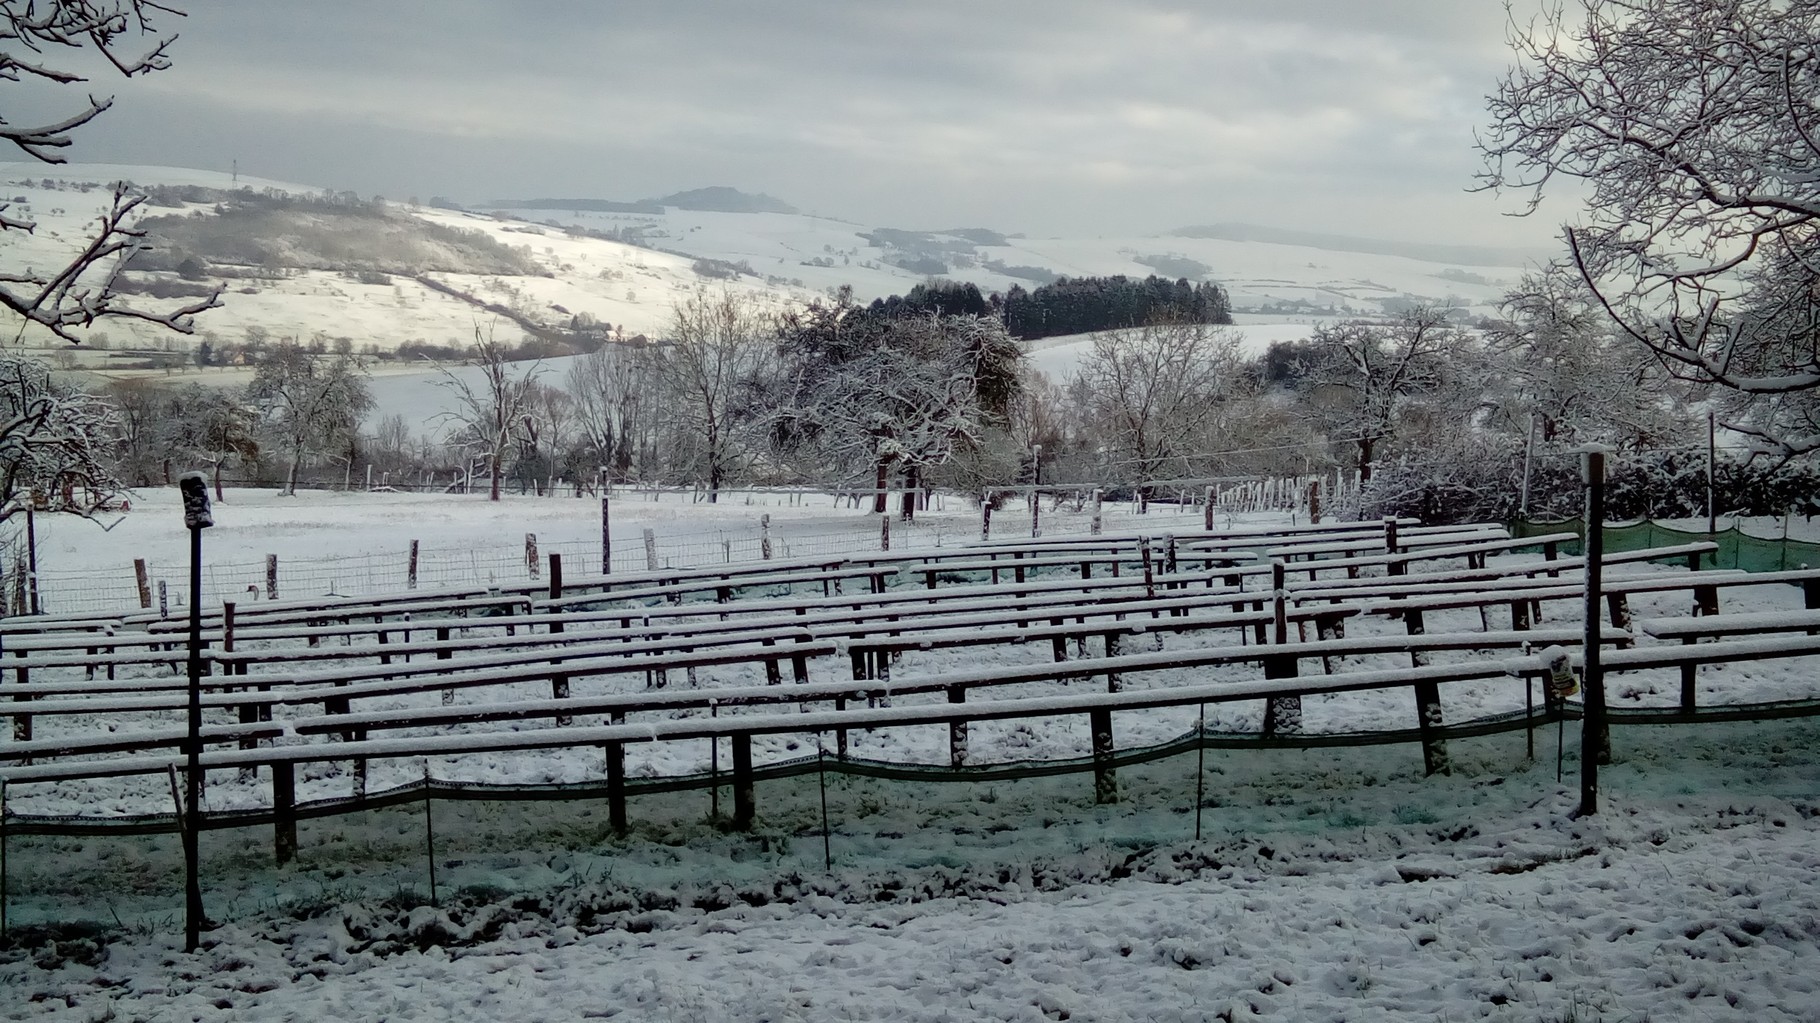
(647, 705)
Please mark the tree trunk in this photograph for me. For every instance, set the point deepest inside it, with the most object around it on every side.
(1365, 446)
(912, 485)
(493, 471)
(713, 457)
(880, 478)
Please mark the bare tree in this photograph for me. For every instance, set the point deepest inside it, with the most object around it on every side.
(717, 345)
(494, 416)
(612, 409)
(80, 292)
(314, 402)
(551, 430)
(1694, 124)
(1152, 396)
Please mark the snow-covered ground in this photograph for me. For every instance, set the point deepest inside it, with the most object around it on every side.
(358, 542)
(1330, 884)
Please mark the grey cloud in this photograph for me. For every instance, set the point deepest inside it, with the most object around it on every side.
(1040, 116)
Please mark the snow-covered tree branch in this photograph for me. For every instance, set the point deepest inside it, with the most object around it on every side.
(1366, 376)
(53, 444)
(865, 393)
(1693, 124)
(80, 290)
(1153, 397)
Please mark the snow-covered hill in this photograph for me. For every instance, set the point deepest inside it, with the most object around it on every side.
(571, 267)
(630, 287)
(826, 253)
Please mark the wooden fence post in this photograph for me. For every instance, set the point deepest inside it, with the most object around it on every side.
(1595, 734)
(606, 537)
(884, 533)
(1095, 529)
(1519, 622)
(22, 723)
(164, 599)
(31, 556)
(986, 515)
(1282, 714)
(284, 811)
(1618, 606)
(764, 537)
(531, 564)
(1207, 511)
(271, 577)
(1314, 503)
(410, 571)
(651, 550)
(616, 781)
(1429, 718)
(559, 683)
(1105, 774)
(143, 579)
(744, 811)
(957, 730)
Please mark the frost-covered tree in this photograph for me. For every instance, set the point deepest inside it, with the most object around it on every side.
(54, 442)
(1368, 380)
(864, 393)
(706, 370)
(1693, 128)
(491, 417)
(312, 402)
(42, 41)
(1153, 397)
(1560, 366)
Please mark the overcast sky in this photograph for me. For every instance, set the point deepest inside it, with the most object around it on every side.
(1043, 116)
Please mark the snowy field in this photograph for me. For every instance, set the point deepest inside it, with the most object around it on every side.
(1329, 884)
(359, 542)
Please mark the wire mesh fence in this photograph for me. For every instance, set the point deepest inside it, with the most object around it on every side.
(432, 840)
(111, 591)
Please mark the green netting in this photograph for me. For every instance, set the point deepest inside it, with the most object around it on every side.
(1737, 549)
(483, 841)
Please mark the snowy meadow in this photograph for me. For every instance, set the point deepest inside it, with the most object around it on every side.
(1325, 883)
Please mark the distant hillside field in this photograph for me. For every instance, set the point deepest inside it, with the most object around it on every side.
(303, 263)
(380, 274)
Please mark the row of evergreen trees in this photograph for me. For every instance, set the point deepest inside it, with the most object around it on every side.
(1077, 305)
(1072, 305)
